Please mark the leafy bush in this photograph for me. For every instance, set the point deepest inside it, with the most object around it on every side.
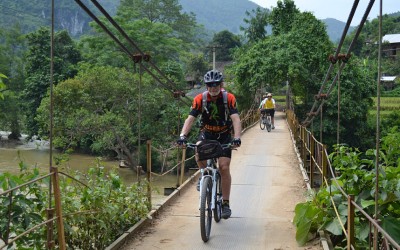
(356, 177)
(26, 209)
(94, 215)
(111, 208)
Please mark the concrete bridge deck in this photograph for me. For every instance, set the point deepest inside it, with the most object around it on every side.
(267, 183)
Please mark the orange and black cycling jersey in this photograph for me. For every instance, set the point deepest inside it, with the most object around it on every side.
(214, 120)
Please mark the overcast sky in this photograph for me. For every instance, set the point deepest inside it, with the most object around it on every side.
(338, 9)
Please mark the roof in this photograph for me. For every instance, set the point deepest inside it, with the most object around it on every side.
(388, 78)
(391, 38)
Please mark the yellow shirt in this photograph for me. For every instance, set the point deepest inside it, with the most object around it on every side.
(269, 104)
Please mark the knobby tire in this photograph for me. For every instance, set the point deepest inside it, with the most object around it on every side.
(262, 124)
(218, 199)
(269, 123)
(205, 209)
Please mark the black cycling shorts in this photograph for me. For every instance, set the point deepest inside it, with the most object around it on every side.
(223, 138)
(271, 112)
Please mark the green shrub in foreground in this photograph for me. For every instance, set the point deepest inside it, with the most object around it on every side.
(94, 215)
(357, 177)
(110, 209)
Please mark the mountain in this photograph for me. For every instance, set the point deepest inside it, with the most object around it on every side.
(31, 14)
(214, 15)
(218, 15)
(335, 28)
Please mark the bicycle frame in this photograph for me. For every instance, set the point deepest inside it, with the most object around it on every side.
(205, 173)
(210, 198)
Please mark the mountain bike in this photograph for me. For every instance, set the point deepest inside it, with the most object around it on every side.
(210, 200)
(265, 120)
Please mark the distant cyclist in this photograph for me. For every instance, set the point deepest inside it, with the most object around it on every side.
(218, 117)
(267, 105)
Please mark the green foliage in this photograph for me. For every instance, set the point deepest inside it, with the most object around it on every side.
(12, 47)
(307, 217)
(227, 42)
(26, 209)
(37, 83)
(2, 85)
(95, 215)
(109, 208)
(356, 93)
(196, 65)
(168, 12)
(282, 16)
(297, 55)
(256, 21)
(356, 176)
(98, 112)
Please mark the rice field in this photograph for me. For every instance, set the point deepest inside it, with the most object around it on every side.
(387, 104)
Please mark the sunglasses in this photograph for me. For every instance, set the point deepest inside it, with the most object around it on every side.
(213, 84)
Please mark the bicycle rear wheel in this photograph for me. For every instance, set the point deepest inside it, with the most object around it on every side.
(205, 209)
(269, 125)
(218, 199)
(262, 124)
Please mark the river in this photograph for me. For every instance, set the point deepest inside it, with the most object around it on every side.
(37, 153)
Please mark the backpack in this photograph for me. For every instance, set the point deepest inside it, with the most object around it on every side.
(224, 96)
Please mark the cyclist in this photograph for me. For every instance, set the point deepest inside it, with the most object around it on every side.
(268, 105)
(216, 124)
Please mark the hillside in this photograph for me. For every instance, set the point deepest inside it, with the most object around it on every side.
(335, 28)
(218, 15)
(214, 15)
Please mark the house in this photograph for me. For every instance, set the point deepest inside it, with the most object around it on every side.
(391, 45)
(388, 82)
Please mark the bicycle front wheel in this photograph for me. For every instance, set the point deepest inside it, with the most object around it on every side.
(269, 124)
(218, 198)
(262, 124)
(205, 209)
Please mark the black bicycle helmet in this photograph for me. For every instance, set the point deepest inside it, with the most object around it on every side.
(213, 76)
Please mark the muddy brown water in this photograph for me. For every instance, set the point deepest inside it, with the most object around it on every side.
(34, 155)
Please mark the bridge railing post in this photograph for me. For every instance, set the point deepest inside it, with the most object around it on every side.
(148, 145)
(58, 207)
(312, 157)
(182, 166)
(350, 222)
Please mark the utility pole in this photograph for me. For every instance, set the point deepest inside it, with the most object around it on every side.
(214, 46)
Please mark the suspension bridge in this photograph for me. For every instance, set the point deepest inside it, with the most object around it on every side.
(271, 173)
(267, 183)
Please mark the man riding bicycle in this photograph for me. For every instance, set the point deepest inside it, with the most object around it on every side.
(219, 115)
(267, 106)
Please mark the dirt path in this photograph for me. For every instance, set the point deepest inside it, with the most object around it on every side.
(266, 185)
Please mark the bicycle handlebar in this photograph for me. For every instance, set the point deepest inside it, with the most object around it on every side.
(194, 145)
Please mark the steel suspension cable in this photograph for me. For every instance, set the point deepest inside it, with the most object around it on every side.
(50, 224)
(338, 113)
(123, 47)
(123, 33)
(378, 108)
(343, 63)
(331, 66)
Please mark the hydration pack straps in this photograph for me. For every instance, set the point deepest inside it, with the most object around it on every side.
(224, 96)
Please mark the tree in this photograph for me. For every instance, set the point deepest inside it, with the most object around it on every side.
(257, 22)
(283, 16)
(196, 65)
(168, 12)
(2, 85)
(98, 112)
(66, 57)
(228, 42)
(298, 56)
(12, 48)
